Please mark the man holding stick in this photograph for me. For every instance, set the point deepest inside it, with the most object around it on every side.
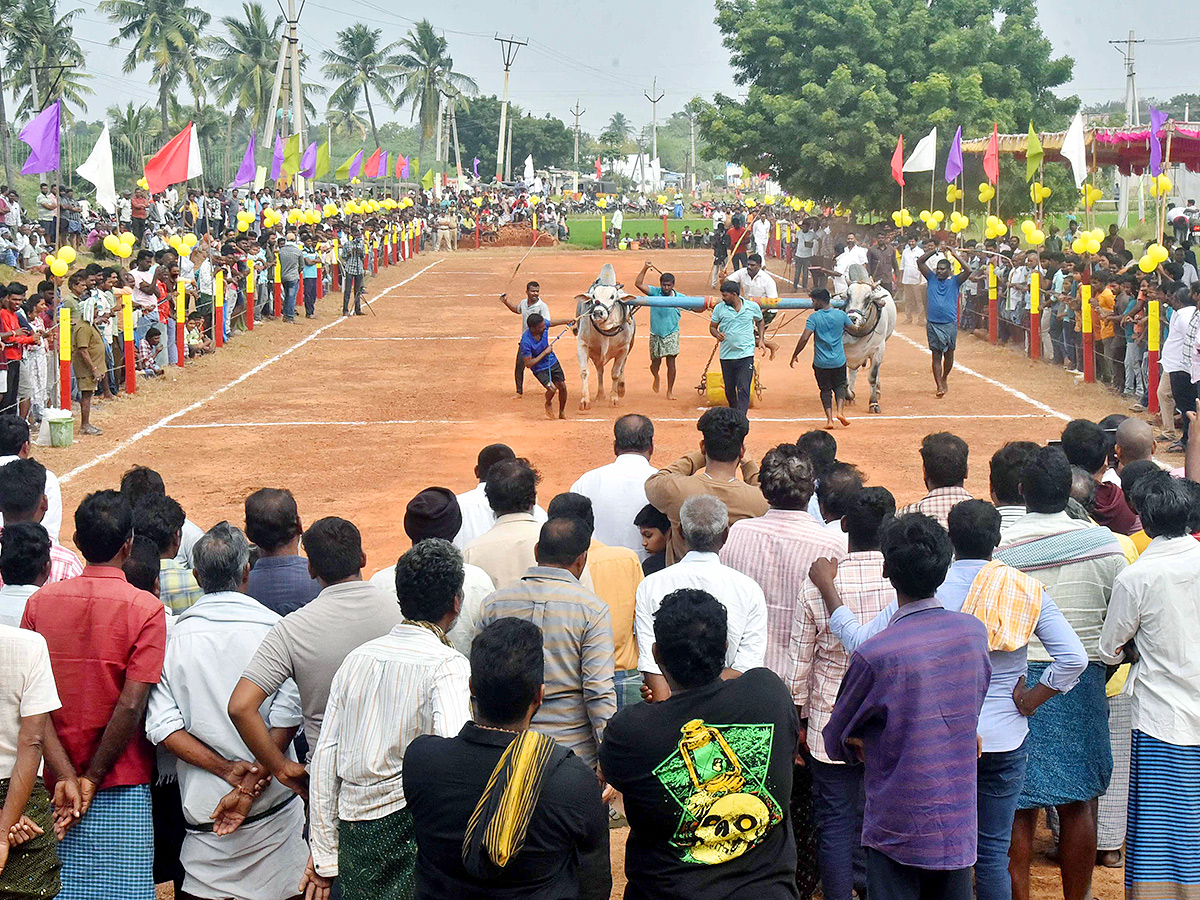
(537, 353)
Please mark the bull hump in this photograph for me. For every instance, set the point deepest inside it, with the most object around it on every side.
(608, 275)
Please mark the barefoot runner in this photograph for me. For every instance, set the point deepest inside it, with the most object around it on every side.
(532, 303)
(827, 325)
(941, 324)
(538, 355)
(664, 327)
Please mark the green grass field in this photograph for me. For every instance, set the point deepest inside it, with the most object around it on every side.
(585, 231)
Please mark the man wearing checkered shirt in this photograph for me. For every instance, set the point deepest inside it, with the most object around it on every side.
(944, 458)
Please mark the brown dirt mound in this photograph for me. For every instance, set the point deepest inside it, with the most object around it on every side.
(521, 236)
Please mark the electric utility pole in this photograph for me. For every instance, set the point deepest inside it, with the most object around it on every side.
(508, 51)
(289, 62)
(1132, 119)
(658, 95)
(577, 112)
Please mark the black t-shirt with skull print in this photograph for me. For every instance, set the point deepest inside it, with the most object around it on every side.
(707, 779)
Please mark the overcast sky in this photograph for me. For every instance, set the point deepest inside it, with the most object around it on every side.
(674, 40)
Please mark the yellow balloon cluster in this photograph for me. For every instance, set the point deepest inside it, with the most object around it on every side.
(932, 219)
(662, 199)
(66, 254)
(407, 202)
(1090, 194)
(1039, 193)
(329, 209)
(478, 201)
(958, 222)
(769, 200)
(111, 243)
(120, 246)
(1088, 241)
(986, 192)
(953, 192)
(902, 218)
(535, 200)
(751, 203)
(1160, 186)
(1154, 255)
(994, 227)
(602, 203)
(1033, 235)
(143, 183)
(839, 211)
(271, 217)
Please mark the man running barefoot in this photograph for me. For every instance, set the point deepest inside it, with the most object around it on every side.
(664, 328)
(532, 303)
(538, 356)
(941, 323)
(827, 325)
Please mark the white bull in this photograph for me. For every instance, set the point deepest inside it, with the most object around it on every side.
(872, 313)
(606, 332)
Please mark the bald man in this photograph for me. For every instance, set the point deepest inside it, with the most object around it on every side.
(1134, 440)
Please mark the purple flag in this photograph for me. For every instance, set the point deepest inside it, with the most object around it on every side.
(476, 167)
(356, 165)
(277, 158)
(308, 164)
(42, 136)
(382, 165)
(1158, 118)
(954, 162)
(404, 168)
(246, 171)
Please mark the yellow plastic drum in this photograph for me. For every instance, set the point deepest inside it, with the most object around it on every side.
(714, 388)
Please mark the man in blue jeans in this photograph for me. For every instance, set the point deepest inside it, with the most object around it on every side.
(738, 325)
(290, 256)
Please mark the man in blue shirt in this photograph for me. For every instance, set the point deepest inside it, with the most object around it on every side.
(941, 325)
(664, 327)
(829, 354)
(738, 325)
(538, 356)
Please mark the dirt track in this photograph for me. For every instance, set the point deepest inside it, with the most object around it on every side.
(357, 415)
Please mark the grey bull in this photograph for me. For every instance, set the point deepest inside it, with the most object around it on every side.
(605, 334)
(872, 313)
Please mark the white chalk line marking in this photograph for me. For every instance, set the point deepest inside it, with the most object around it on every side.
(967, 370)
(165, 421)
(354, 423)
(506, 337)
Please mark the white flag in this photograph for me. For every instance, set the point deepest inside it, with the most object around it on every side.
(195, 167)
(1074, 151)
(98, 169)
(924, 155)
(528, 177)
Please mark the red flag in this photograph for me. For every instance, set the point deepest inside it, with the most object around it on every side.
(898, 162)
(400, 161)
(991, 157)
(371, 166)
(598, 171)
(178, 161)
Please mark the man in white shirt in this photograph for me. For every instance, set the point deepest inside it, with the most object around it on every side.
(618, 220)
(505, 551)
(413, 682)
(704, 521)
(618, 490)
(912, 282)
(1178, 351)
(477, 514)
(806, 241)
(755, 281)
(24, 567)
(853, 254)
(186, 715)
(532, 303)
(761, 229)
(14, 444)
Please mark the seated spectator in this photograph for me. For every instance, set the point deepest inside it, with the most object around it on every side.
(161, 519)
(23, 499)
(495, 772)
(706, 776)
(944, 459)
(280, 579)
(704, 523)
(655, 530)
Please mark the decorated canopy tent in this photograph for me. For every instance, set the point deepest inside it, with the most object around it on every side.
(1126, 148)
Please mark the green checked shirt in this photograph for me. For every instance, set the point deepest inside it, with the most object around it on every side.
(177, 586)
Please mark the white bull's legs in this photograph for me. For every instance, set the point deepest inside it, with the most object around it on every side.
(585, 401)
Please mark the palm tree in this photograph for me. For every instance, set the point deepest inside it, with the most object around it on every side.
(428, 71)
(360, 65)
(8, 9)
(129, 128)
(167, 34)
(348, 121)
(242, 71)
(41, 38)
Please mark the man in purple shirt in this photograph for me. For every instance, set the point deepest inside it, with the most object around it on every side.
(909, 709)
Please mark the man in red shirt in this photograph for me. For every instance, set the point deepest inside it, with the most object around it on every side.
(14, 336)
(739, 242)
(107, 640)
(139, 204)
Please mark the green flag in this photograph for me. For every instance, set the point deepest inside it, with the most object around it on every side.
(1033, 154)
(291, 155)
(343, 171)
(322, 160)
(427, 180)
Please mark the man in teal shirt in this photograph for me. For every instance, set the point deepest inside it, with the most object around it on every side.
(829, 353)
(738, 325)
(664, 327)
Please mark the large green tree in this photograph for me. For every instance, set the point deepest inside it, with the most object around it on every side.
(360, 65)
(168, 35)
(829, 89)
(428, 73)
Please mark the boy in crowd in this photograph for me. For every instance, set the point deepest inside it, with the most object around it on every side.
(664, 328)
(147, 353)
(827, 325)
(655, 528)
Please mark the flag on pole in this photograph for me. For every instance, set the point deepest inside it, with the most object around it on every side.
(404, 171)
(322, 168)
(1034, 154)
(475, 167)
(1074, 150)
(349, 168)
(383, 165)
(291, 156)
(991, 157)
(43, 136)
(370, 168)
(98, 169)
(527, 176)
(924, 155)
(897, 162)
(415, 167)
(427, 180)
(308, 162)
(277, 158)
(598, 171)
(954, 162)
(177, 161)
(1158, 119)
(245, 172)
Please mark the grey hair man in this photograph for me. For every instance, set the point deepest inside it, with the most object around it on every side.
(219, 781)
(704, 521)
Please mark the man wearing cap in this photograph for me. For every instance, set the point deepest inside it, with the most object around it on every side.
(434, 513)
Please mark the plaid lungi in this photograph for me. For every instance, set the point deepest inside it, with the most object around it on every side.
(109, 853)
(377, 858)
(1114, 803)
(32, 867)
